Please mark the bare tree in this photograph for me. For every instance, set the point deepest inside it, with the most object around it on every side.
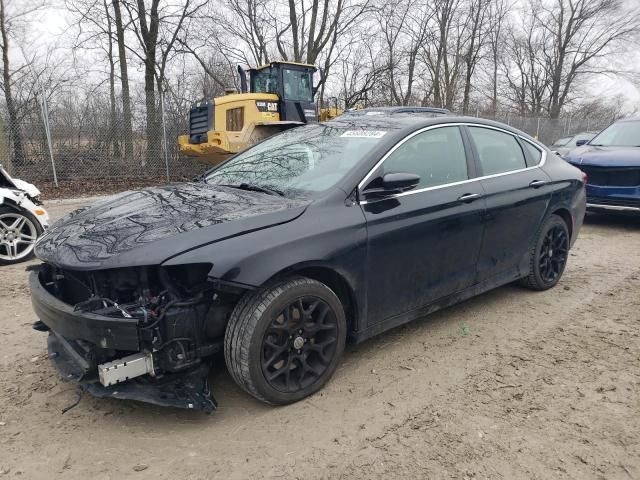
(157, 28)
(478, 34)
(496, 19)
(309, 30)
(525, 72)
(610, 109)
(249, 23)
(579, 36)
(94, 23)
(113, 118)
(259, 31)
(11, 20)
(404, 27)
(218, 70)
(360, 74)
(124, 81)
(443, 51)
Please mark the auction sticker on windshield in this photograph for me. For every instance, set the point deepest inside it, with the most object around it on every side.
(364, 133)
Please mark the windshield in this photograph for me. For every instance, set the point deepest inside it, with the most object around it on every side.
(622, 134)
(310, 158)
(583, 136)
(562, 141)
(297, 86)
(264, 81)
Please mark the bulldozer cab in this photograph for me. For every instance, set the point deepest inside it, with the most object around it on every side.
(292, 83)
(277, 96)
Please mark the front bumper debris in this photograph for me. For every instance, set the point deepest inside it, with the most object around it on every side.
(105, 332)
(88, 348)
(187, 389)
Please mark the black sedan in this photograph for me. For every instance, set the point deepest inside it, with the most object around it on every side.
(323, 234)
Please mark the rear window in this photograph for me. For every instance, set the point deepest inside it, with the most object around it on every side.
(499, 152)
(532, 153)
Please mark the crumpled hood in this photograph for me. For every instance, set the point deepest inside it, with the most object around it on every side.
(148, 226)
(27, 187)
(605, 156)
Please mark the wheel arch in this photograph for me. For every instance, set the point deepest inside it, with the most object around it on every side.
(565, 214)
(333, 279)
(7, 201)
(19, 209)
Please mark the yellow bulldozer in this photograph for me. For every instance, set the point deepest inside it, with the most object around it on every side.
(273, 98)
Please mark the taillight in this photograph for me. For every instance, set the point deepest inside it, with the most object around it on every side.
(585, 177)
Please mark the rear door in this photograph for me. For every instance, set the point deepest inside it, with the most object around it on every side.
(423, 244)
(517, 196)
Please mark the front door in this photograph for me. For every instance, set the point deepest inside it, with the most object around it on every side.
(423, 244)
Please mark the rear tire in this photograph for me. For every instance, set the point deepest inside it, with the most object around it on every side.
(283, 342)
(548, 256)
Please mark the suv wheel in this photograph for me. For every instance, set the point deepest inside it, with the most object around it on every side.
(284, 341)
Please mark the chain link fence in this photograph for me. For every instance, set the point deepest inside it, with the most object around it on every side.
(72, 156)
(548, 130)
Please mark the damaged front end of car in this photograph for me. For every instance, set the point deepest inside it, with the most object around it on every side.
(144, 333)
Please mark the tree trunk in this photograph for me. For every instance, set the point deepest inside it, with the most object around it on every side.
(153, 138)
(14, 128)
(124, 79)
(556, 80)
(494, 86)
(113, 120)
(467, 91)
(149, 33)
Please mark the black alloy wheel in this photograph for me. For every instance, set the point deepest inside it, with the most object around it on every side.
(553, 254)
(299, 344)
(549, 254)
(283, 342)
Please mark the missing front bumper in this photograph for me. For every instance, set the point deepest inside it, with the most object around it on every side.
(188, 389)
(105, 332)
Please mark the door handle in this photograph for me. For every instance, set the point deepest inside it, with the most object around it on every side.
(538, 183)
(469, 197)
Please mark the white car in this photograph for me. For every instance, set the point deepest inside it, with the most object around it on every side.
(22, 219)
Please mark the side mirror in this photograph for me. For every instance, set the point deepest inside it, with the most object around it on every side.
(400, 182)
(392, 183)
(243, 79)
(581, 142)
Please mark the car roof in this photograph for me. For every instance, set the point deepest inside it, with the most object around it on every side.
(374, 111)
(629, 119)
(404, 122)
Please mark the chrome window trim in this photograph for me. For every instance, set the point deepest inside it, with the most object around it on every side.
(543, 160)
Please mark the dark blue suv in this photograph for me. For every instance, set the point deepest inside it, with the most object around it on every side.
(612, 162)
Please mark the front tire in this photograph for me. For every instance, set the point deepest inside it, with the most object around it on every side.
(284, 341)
(19, 231)
(549, 255)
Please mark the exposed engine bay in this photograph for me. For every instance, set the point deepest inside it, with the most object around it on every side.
(140, 327)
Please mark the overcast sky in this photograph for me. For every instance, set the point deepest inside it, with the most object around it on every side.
(52, 25)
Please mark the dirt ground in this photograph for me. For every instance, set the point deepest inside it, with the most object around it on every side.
(512, 384)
